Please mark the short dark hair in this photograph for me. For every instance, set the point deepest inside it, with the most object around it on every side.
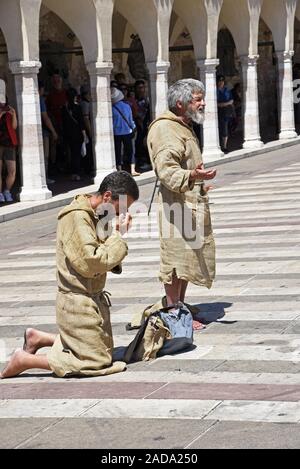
(139, 82)
(119, 183)
(114, 84)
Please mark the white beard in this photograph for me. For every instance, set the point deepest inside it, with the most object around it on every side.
(198, 117)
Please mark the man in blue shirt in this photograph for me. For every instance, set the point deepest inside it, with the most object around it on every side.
(124, 130)
(47, 129)
(225, 111)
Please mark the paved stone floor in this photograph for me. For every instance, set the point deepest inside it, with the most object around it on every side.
(240, 386)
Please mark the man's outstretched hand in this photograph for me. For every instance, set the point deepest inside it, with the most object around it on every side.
(200, 173)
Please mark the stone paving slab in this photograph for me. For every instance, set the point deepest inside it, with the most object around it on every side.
(108, 434)
(249, 435)
(15, 432)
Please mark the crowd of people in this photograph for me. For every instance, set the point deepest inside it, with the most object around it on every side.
(66, 116)
(67, 130)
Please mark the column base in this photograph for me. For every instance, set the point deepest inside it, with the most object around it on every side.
(210, 154)
(250, 144)
(287, 135)
(28, 195)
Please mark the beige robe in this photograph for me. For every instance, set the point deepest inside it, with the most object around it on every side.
(84, 345)
(186, 239)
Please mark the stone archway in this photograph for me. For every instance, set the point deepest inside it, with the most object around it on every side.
(128, 50)
(60, 50)
(227, 55)
(182, 56)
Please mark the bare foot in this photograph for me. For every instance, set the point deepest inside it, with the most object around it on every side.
(198, 326)
(15, 365)
(31, 341)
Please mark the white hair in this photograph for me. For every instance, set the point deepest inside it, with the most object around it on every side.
(183, 91)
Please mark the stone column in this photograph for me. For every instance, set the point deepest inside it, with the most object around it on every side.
(285, 95)
(250, 102)
(158, 73)
(102, 118)
(30, 131)
(211, 142)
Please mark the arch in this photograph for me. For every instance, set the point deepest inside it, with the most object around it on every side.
(235, 16)
(13, 27)
(55, 37)
(194, 16)
(297, 12)
(226, 53)
(279, 15)
(183, 62)
(143, 17)
(82, 18)
(177, 26)
(122, 31)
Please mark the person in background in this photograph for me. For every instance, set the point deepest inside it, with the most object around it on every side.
(120, 79)
(8, 143)
(225, 111)
(142, 119)
(55, 101)
(237, 102)
(74, 132)
(114, 84)
(86, 108)
(129, 98)
(123, 126)
(47, 130)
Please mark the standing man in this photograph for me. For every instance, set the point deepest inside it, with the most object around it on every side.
(47, 130)
(56, 100)
(187, 247)
(85, 253)
(225, 111)
(141, 115)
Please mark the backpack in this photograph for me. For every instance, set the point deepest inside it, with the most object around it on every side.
(162, 333)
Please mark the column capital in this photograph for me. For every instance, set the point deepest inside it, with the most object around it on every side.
(249, 60)
(158, 67)
(99, 68)
(284, 56)
(208, 65)
(25, 67)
